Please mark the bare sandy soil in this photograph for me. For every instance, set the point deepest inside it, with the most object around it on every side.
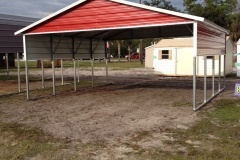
(134, 101)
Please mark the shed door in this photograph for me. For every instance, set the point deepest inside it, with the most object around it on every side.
(184, 61)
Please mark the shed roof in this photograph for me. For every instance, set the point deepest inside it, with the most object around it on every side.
(176, 42)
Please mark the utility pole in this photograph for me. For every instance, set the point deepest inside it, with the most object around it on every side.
(140, 43)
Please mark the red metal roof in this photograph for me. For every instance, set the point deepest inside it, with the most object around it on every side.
(99, 14)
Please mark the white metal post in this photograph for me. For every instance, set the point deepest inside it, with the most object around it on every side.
(19, 76)
(26, 66)
(7, 65)
(213, 75)
(107, 70)
(194, 63)
(205, 78)
(92, 73)
(53, 76)
(53, 67)
(75, 78)
(78, 72)
(224, 70)
(42, 65)
(219, 75)
(62, 71)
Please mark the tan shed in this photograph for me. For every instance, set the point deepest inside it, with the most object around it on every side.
(173, 57)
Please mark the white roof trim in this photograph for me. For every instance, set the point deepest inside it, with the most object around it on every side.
(101, 29)
(183, 15)
(50, 16)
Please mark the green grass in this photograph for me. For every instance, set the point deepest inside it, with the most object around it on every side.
(217, 134)
(21, 142)
(122, 65)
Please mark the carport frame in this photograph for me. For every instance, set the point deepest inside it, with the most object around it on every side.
(193, 20)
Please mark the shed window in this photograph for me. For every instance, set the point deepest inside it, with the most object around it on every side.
(164, 54)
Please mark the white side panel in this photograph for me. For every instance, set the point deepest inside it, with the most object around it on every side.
(164, 66)
(209, 40)
(38, 47)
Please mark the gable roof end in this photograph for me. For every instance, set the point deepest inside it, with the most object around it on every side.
(173, 13)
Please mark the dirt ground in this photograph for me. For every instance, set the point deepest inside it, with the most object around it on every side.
(134, 101)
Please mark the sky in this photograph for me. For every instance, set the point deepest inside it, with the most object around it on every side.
(42, 8)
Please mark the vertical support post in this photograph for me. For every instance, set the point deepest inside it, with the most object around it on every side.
(194, 83)
(78, 72)
(75, 77)
(53, 77)
(107, 54)
(194, 63)
(19, 76)
(7, 64)
(92, 73)
(74, 63)
(205, 78)
(26, 66)
(219, 73)
(224, 72)
(106, 71)
(42, 65)
(213, 75)
(91, 54)
(53, 66)
(62, 71)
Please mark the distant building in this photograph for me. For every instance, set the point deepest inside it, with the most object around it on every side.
(9, 43)
(174, 57)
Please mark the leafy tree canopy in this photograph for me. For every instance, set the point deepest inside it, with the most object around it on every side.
(217, 11)
(164, 4)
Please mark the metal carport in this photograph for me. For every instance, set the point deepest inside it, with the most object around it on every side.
(82, 29)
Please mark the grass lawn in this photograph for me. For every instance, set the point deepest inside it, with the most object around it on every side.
(115, 65)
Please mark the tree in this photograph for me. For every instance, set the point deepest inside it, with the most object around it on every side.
(217, 11)
(164, 4)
